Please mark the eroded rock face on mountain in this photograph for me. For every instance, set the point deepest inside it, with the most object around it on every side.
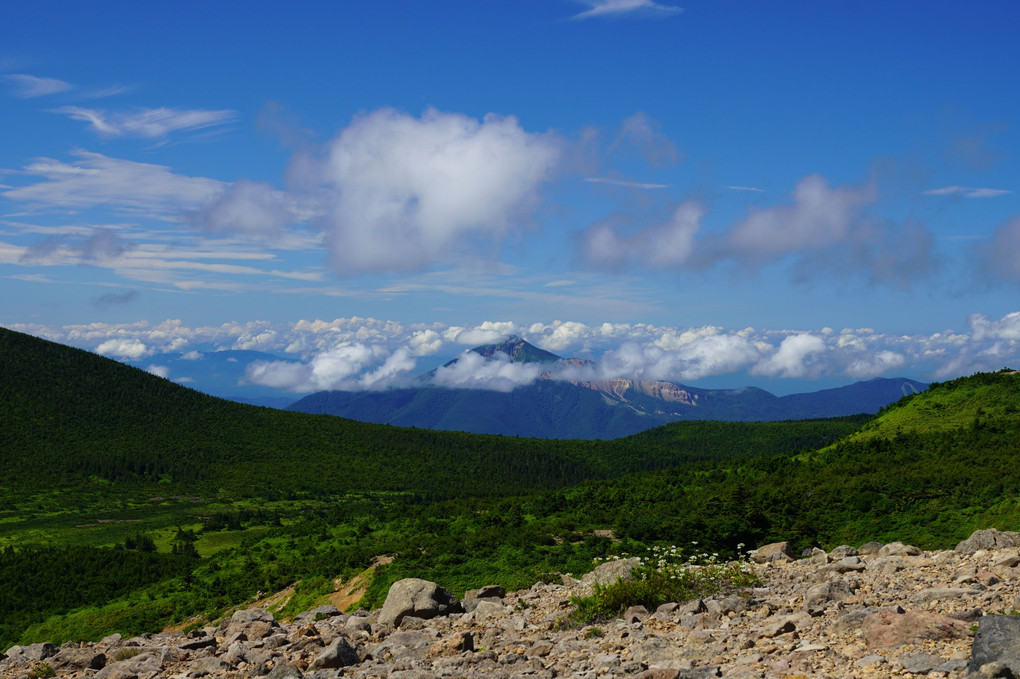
(876, 611)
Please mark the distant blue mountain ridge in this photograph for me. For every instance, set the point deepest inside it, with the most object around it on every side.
(588, 409)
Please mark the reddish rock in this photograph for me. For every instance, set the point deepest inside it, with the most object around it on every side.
(889, 628)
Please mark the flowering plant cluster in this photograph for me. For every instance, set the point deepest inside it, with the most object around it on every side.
(664, 575)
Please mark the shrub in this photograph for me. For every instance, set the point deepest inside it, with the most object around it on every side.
(43, 671)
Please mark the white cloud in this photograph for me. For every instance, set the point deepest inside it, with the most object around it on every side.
(362, 353)
(999, 257)
(704, 356)
(746, 188)
(663, 246)
(31, 86)
(1006, 328)
(967, 192)
(95, 179)
(150, 123)
(332, 369)
(248, 208)
(478, 336)
(874, 364)
(396, 366)
(159, 371)
(799, 356)
(564, 334)
(499, 373)
(624, 183)
(287, 375)
(403, 192)
(818, 218)
(355, 366)
(642, 135)
(129, 349)
(425, 342)
(618, 8)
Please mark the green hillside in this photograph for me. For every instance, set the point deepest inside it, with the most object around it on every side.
(70, 415)
(202, 503)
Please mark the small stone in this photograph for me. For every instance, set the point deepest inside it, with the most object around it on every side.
(920, 663)
(635, 614)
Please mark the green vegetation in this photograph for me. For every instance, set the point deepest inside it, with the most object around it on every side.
(129, 503)
(664, 576)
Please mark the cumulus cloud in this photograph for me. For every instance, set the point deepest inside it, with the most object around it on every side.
(474, 371)
(822, 231)
(819, 217)
(606, 245)
(31, 86)
(712, 354)
(798, 356)
(362, 353)
(248, 208)
(605, 9)
(425, 342)
(129, 349)
(999, 257)
(1006, 328)
(349, 367)
(404, 192)
(159, 371)
(563, 335)
(874, 364)
(488, 332)
(150, 123)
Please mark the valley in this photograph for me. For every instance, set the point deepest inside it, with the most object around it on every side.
(208, 504)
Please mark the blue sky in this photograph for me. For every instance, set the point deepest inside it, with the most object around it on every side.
(786, 194)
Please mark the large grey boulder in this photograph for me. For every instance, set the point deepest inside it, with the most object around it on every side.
(609, 572)
(997, 640)
(988, 539)
(338, 654)
(776, 551)
(899, 549)
(418, 598)
(821, 595)
(487, 592)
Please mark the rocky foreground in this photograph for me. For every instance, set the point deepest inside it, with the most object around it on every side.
(873, 611)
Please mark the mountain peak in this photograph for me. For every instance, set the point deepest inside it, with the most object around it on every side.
(519, 351)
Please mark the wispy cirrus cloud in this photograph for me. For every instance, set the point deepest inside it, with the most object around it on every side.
(606, 9)
(31, 86)
(967, 192)
(625, 183)
(149, 123)
(95, 179)
(641, 134)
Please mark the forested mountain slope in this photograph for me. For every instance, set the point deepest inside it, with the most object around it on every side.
(68, 414)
